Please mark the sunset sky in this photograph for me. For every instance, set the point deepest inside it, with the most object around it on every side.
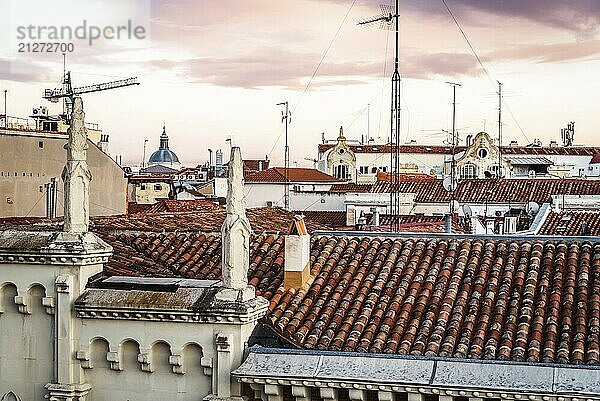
(216, 69)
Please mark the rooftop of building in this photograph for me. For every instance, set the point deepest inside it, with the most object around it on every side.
(447, 150)
(293, 174)
(571, 222)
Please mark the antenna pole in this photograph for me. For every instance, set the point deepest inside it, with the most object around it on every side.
(395, 133)
(453, 164)
(5, 115)
(286, 194)
(64, 81)
(368, 121)
(499, 174)
(144, 154)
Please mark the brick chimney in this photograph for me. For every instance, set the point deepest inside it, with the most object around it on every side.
(297, 255)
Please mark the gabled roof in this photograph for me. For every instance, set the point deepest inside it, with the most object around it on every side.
(595, 159)
(572, 222)
(294, 174)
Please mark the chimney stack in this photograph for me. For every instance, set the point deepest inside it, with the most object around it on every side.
(297, 255)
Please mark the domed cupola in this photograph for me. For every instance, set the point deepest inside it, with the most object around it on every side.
(164, 155)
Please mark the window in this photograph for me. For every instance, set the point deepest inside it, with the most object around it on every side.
(383, 168)
(364, 169)
(157, 187)
(373, 170)
(494, 170)
(468, 171)
(41, 144)
(143, 187)
(341, 171)
(482, 153)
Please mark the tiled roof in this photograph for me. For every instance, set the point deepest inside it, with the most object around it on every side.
(327, 218)
(193, 255)
(350, 187)
(426, 224)
(172, 205)
(493, 190)
(387, 176)
(295, 174)
(571, 223)
(523, 190)
(595, 159)
(521, 300)
(133, 207)
(264, 219)
(446, 150)
(425, 190)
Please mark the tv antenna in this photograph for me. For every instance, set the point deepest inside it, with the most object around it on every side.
(286, 117)
(389, 19)
(68, 92)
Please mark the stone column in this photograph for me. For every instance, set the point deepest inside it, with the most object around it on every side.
(76, 175)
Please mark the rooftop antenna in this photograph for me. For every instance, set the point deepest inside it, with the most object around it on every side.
(368, 122)
(144, 154)
(64, 82)
(453, 164)
(389, 19)
(499, 172)
(286, 118)
(5, 115)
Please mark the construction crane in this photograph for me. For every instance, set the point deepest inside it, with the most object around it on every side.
(68, 93)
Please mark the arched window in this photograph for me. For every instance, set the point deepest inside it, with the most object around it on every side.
(468, 171)
(341, 171)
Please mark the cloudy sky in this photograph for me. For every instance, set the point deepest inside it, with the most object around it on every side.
(216, 69)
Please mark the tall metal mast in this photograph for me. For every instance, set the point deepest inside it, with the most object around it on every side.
(499, 172)
(453, 163)
(390, 18)
(285, 114)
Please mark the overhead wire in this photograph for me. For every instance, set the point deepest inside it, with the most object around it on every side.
(485, 70)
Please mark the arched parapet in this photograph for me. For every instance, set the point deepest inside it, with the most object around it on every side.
(89, 354)
(8, 291)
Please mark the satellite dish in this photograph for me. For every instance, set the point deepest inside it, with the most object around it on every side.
(467, 211)
(532, 208)
(449, 184)
(454, 205)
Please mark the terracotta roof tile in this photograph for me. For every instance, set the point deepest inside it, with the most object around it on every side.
(571, 223)
(172, 205)
(295, 174)
(492, 190)
(522, 300)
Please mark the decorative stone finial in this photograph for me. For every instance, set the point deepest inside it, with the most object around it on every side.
(235, 232)
(76, 175)
(341, 136)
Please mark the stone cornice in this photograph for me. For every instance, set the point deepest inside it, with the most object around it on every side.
(218, 313)
(52, 248)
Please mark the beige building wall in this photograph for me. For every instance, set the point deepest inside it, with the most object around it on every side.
(30, 159)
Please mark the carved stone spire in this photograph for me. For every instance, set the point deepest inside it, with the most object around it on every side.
(235, 232)
(76, 175)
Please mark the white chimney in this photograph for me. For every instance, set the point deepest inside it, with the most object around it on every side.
(297, 255)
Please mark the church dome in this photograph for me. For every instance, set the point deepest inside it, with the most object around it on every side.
(163, 155)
